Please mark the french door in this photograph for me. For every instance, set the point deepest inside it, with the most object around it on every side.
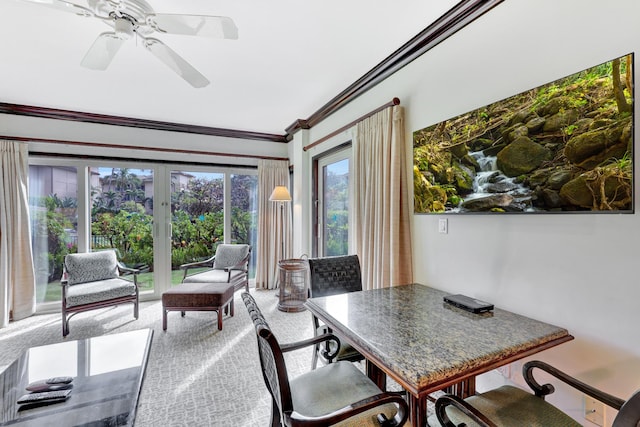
(122, 216)
(334, 188)
(154, 216)
(208, 208)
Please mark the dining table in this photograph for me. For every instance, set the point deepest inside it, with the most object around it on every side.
(410, 334)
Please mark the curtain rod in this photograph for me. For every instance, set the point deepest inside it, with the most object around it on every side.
(132, 147)
(393, 102)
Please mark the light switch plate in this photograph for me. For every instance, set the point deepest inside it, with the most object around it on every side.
(443, 226)
(594, 410)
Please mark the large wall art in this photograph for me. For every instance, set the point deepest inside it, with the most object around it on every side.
(566, 146)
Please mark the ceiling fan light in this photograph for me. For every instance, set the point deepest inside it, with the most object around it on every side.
(124, 29)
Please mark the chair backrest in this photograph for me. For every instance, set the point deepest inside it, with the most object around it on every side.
(334, 275)
(274, 369)
(629, 413)
(91, 266)
(229, 255)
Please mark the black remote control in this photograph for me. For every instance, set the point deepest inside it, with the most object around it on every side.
(44, 397)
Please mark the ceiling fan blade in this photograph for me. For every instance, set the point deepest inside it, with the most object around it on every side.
(100, 54)
(63, 5)
(185, 70)
(194, 25)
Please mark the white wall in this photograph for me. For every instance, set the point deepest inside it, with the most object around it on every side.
(576, 271)
(166, 142)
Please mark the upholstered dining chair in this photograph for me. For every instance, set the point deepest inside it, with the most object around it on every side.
(338, 394)
(230, 264)
(512, 406)
(96, 280)
(331, 276)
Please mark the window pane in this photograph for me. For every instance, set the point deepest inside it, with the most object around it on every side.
(54, 225)
(244, 213)
(197, 217)
(336, 208)
(122, 217)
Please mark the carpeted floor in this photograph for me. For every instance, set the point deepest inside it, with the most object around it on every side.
(197, 375)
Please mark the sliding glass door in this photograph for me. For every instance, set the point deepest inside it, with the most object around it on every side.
(209, 208)
(155, 216)
(243, 218)
(122, 215)
(53, 204)
(197, 217)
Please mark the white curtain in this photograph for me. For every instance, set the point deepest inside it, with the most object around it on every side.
(382, 233)
(274, 222)
(17, 278)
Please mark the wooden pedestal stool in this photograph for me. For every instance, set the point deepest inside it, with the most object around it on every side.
(198, 297)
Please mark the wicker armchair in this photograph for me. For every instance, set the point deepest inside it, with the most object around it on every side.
(338, 394)
(331, 276)
(512, 406)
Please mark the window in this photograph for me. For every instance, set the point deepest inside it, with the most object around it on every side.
(153, 215)
(121, 211)
(53, 205)
(333, 203)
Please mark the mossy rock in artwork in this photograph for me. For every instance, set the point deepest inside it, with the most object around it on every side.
(602, 189)
(522, 156)
(592, 148)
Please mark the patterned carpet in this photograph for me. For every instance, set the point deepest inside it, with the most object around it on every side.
(197, 375)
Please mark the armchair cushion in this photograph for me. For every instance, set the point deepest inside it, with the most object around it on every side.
(99, 290)
(92, 266)
(322, 391)
(511, 406)
(229, 255)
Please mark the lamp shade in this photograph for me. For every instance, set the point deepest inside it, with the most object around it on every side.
(280, 194)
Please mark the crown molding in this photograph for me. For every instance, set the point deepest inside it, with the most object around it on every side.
(444, 27)
(77, 116)
(461, 15)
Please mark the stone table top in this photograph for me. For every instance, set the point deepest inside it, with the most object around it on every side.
(424, 343)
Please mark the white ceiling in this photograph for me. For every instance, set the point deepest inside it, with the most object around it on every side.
(291, 58)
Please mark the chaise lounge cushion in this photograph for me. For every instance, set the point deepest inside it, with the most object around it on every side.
(100, 290)
(92, 266)
(216, 276)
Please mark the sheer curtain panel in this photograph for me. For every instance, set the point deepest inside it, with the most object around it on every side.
(382, 217)
(274, 224)
(17, 278)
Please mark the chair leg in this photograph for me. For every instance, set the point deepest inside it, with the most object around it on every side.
(231, 308)
(275, 414)
(164, 319)
(136, 310)
(314, 358)
(65, 325)
(220, 318)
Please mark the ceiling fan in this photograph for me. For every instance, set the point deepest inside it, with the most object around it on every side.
(136, 17)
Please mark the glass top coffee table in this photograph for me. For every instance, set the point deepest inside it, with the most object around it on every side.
(107, 374)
